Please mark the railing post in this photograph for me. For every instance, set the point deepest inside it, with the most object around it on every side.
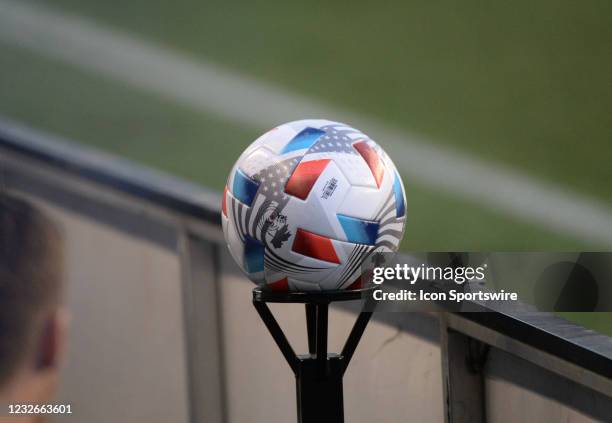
(200, 268)
(462, 376)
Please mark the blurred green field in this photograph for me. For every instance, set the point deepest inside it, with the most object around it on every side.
(173, 138)
(520, 84)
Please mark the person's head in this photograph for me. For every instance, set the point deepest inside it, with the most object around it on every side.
(31, 319)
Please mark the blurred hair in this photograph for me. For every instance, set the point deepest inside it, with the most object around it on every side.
(31, 257)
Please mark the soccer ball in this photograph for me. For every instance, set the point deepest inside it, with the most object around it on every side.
(308, 202)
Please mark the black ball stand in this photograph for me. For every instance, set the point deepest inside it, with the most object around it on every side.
(318, 375)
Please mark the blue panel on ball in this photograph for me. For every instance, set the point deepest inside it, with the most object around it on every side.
(244, 188)
(359, 231)
(253, 255)
(400, 207)
(305, 139)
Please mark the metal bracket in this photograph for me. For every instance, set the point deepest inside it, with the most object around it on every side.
(318, 374)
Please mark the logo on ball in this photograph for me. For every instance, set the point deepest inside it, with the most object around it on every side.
(277, 229)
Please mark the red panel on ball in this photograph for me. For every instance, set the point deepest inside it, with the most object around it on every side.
(224, 202)
(281, 285)
(371, 157)
(315, 246)
(357, 284)
(304, 177)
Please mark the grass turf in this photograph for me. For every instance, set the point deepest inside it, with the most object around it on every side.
(523, 83)
(151, 130)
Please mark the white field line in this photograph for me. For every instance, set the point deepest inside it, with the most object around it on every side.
(243, 100)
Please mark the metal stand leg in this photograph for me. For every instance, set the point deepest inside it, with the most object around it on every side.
(322, 337)
(355, 337)
(277, 333)
(311, 319)
(318, 375)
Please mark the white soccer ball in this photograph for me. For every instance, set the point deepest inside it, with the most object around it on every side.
(308, 202)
